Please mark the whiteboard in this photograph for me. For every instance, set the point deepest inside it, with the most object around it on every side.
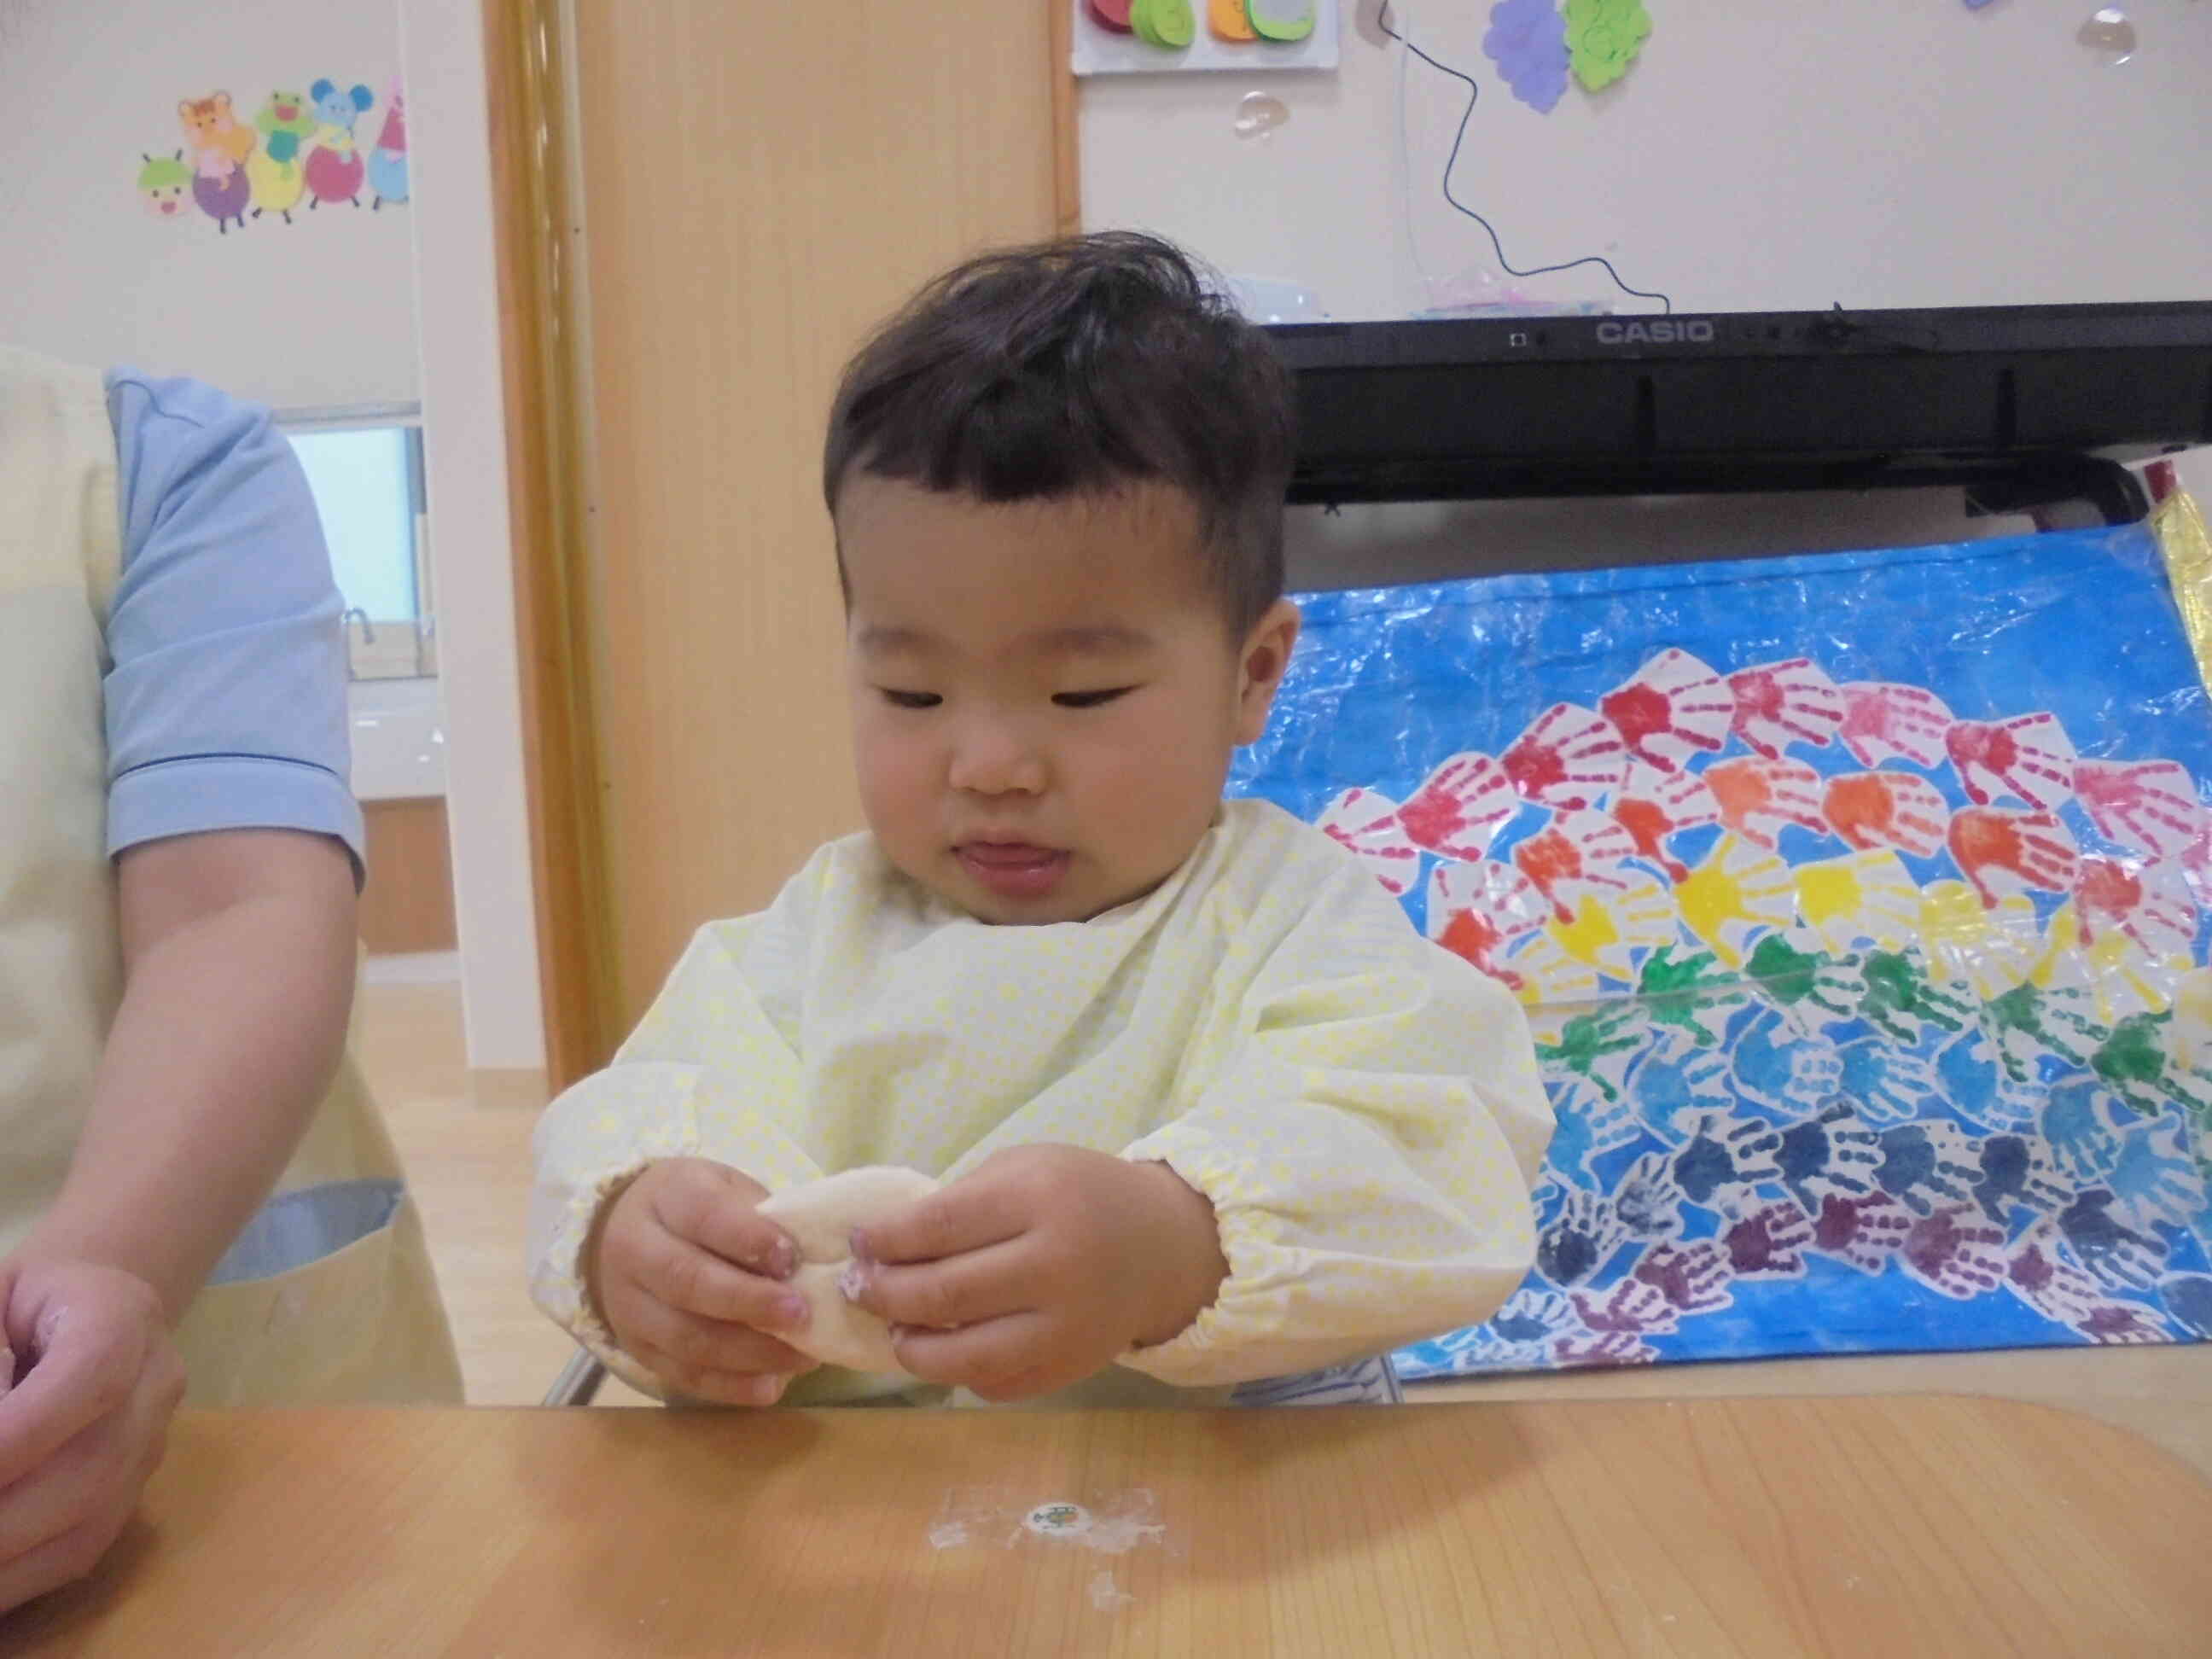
(1761, 155)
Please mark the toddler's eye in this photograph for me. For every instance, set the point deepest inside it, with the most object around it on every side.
(1091, 699)
(910, 699)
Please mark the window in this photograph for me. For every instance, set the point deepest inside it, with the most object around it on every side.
(365, 469)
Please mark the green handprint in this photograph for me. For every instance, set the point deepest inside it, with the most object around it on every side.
(2028, 1011)
(1585, 1040)
(1675, 992)
(1899, 997)
(2133, 1064)
(1801, 983)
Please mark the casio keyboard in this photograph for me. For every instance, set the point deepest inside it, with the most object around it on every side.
(2024, 407)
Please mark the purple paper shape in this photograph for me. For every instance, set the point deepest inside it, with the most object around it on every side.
(1976, 5)
(1528, 41)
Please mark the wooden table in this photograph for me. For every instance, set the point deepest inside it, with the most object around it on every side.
(1762, 1528)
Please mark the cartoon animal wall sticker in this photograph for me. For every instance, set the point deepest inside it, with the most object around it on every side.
(300, 148)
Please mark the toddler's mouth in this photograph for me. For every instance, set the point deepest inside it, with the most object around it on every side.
(1012, 869)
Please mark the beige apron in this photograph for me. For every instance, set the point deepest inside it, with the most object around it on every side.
(329, 1296)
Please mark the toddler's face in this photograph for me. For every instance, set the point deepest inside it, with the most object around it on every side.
(1045, 697)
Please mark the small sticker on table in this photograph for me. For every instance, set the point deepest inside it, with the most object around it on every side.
(1058, 1520)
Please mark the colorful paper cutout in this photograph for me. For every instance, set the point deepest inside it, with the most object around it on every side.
(162, 182)
(387, 162)
(1528, 41)
(334, 165)
(277, 171)
(1603, 38)
(1110, 13)
(1281, 20)
(1227, 20)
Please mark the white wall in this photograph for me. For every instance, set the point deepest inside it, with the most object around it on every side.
(464, 456)
(1762, 154)
(315, 313)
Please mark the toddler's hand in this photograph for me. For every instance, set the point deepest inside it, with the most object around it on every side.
(689, 1278)
(1043, 1267)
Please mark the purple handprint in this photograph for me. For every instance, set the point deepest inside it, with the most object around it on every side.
(1631, 1306)
(1735, 1154)
(1769, 1243)
(2155, 1179)
(1888, 1083)
(1648, 1199)
(1862, 1233)
(1693, 1277)
(1832, 1153)
(1583, 1237)
(1781, 1068)
(2015, 1171)
(1953, 1255)
(1593, 1349)
(1923, 1162)
(2122, 1323)
(2078, 1126)
(2113, 1252)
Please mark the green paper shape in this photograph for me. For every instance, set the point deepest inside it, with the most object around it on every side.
(1141, 22)
(1603, 37)
(1174, 24)
(1272, 20)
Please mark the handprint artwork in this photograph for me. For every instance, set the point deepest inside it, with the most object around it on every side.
(1858, 906)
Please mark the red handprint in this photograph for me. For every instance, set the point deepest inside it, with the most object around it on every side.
(2029, 755)
(2150, 804)
(1884, 722)
(1369, 825)
(1693, 1277)
(2033, 848)
(1652, 806)
(1674, 707)
(2152, 904)
(1569, 758)
(1887, 809)
(1960, 1261)
(1779, 703)
(1478, 911)
(1768, 1244)
(1582, 851)
(1862, 1233)
(1757, 798)
(1458, 811)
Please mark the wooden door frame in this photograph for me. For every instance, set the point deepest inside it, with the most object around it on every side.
(542, 341)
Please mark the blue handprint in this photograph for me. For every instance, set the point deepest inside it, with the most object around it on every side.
(2189, 1300)
(1919, 1160)
(1888, 1083)
(1977, 1087)
(1587, 1126)
(1738, 1155)
(1648, 1199)
(1581, 1239)
(2155, 1179)
(2113, 1252)
(2015, 1171)
(1778, 1066)
(1832, 1152)
(2080, 1130)
(1666, 1080)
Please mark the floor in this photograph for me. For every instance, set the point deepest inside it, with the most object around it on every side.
(465, 1137)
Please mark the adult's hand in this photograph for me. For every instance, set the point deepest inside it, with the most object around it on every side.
(89, 1381)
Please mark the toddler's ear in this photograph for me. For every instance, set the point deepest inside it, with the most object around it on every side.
(1266, 656)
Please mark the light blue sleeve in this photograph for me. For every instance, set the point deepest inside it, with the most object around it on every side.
(226, 699)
